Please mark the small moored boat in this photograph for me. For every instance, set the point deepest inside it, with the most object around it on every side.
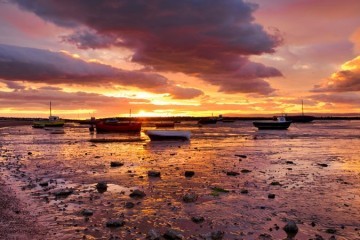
(115, 126)
(280, 124)
(159, 135)
(165, 125)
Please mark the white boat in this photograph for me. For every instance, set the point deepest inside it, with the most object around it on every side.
(159, 135)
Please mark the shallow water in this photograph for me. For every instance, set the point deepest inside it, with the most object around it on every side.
(325, 195)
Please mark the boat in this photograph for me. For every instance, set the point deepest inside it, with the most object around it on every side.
(280, 124)
(161, 135)
(300, 118)
(112, 125)
(53, 121)
(207, 121)
(165, 125)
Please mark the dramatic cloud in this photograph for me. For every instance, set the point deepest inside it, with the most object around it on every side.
(206, 38)
(41, 66)
(338, 98)
(345, 80)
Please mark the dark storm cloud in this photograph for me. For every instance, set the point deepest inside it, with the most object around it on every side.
(41, 66)
(197, 37)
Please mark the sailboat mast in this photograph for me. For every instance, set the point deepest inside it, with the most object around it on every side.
(50, 108)
(302, 107)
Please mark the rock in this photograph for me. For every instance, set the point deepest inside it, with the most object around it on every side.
(189, 173)
(137, 194)
(173, 235)
(245, 171)
(318, 237)
(275, 183)
(244, 191)
(231, 173)
(63, 192)
(101, 187)
(322, 164)
(44, 184)
(190, 197)
(198, 219)
(152, 173)
(331, 230)
(29, 153)
(265, 236)
(216, 235)
(271, 196)
(115, 223)
(87, 212)
(153, 235)
(240, 156)
(289, 162)
(116, 164)
(291, 228)
(129, 205)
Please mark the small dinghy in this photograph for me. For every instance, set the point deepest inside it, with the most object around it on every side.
(163, 135)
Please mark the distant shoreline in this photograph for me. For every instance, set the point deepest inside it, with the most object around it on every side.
(12, 121)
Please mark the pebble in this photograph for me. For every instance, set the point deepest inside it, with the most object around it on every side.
(63, 192)
(115, 223)
(152, 173)
(190, 197)
(153, 235)
(291, 228)
(231, 173)
(271, 196)
(216, 235)
(87, 212)
(173, 235)
(129, 205)
(198, 219)
(137, 194)
(189, 173)
(116, 164)
(101, 187)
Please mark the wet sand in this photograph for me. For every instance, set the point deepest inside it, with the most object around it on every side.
(247, 184)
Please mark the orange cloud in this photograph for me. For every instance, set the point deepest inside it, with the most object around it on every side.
(345, 80)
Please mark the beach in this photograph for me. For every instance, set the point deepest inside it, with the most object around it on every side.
(230, 181)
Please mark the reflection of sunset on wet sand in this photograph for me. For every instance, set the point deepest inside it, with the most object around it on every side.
(246, 183)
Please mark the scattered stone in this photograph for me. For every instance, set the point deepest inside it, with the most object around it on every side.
(275, 184)
(129, 205)
(240, 156)
(44, 184)
(137, 194)
(290, 162)
(313, 224)
(29, 153)
(115, 223)
(271, 196)
(231, 173)
(153, 235)
(87, 212)
(216, 235)
(291, 228)
(198, 219)
(152, 173)
(173, 235)
(322, 164)
(331, 230)
(265, 236)
(245, 171)
(63, 192)
(116, 164)
(244, 191)
(318, 237)
(101, 187)
(189, 173)
(190, 197)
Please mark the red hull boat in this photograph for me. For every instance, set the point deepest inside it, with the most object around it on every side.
(103, 126)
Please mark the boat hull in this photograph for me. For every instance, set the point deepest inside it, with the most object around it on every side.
(102, 127)
(272, 125)
(207, 121)
(158, 135)
(165, 125)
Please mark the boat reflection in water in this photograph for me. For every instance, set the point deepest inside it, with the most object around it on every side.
(280, 124)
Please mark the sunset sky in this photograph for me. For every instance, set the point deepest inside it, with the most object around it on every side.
(185, 58)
